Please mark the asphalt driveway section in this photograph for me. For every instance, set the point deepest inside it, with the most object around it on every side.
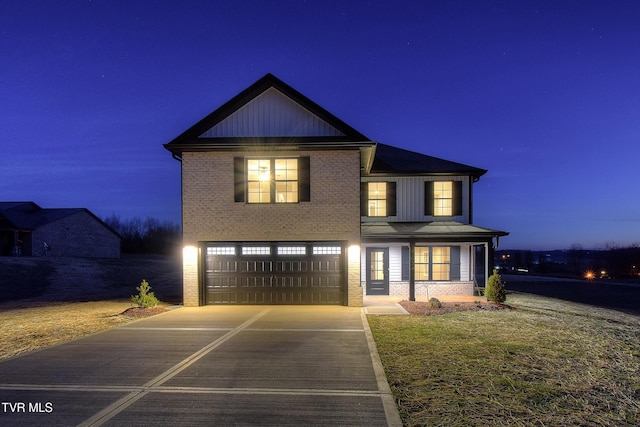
(227, 365)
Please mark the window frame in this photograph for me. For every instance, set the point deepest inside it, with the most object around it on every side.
(427, 269)
(389, 204)
(292, 189)
(457, 198)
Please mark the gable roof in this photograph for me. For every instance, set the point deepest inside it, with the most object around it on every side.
(267, 113)
(393, 160)
(30, 216)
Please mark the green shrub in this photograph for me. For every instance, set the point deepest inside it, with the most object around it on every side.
(144, 298)
(495, 290)
(435, 303)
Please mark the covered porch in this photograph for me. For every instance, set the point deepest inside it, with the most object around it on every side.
(418, 260)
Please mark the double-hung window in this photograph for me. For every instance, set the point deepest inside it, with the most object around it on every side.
(433, 263)
(443, 198)
(378, 199)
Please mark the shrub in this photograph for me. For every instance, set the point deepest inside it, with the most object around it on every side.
(144, 298)
(495, 290)
(435, 303)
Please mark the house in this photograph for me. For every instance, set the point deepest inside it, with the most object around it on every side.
(27, 229)
(284, 203)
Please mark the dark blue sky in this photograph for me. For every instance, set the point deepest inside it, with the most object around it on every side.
(543, 94)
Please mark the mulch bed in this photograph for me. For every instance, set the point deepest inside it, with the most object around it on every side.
(139, 312)
(423, 308)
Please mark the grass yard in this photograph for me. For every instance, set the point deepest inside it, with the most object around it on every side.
(546, 362)
(30, 327)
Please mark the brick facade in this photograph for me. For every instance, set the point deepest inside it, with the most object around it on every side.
(210, 213)
(77, 235)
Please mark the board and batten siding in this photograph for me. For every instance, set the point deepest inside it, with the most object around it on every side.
(271, 114)
(410, 199)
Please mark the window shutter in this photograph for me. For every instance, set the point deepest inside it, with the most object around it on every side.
(364, 199)
(457, 198)
(406, 263)
(304, 182)
(238, 179)
(391, 199)
(454, 272)
(428, 198)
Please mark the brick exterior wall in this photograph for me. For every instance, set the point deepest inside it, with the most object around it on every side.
(426, 290)
(77, 235)
(211, 214)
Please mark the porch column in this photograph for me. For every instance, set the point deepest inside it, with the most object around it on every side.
(412, 271)
(488, 254)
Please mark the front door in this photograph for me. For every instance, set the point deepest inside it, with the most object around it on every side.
(377, 271)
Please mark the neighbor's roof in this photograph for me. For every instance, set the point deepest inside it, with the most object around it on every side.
(436, 230)
(393, 160)
(30, 216)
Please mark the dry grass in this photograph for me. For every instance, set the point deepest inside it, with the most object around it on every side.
(29, 327)
(547, 362)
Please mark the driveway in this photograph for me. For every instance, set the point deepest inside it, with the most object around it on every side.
(239, 365)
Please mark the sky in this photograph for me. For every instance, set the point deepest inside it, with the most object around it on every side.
(545, 95)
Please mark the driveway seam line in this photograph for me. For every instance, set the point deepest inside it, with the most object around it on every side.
(139, 390)
(115, 408)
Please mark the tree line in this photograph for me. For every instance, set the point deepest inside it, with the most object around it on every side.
(148, 236)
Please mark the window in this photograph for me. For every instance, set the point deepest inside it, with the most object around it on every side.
(292, 250)
(377, 196)
(433, 263)
(327, 250)
(221, 250)
(259, 181)
(442, 198)
(378, 199)
(256, 250)
(422, 263)
(271, 180)
(440, 263)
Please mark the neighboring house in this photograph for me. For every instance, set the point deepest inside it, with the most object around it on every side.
(25, 228)
(284, 203)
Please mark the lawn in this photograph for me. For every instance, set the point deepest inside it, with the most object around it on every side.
(546, 362)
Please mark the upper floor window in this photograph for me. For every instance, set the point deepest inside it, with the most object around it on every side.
(271, 180)
(378, 199)
(443, 198)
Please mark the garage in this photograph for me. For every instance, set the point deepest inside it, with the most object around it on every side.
(274, 273)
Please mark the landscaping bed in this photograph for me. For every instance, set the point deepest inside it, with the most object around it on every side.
(424, 308)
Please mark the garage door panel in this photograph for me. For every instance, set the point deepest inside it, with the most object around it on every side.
(282, 277)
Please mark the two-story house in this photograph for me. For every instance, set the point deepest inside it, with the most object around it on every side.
(284, 203)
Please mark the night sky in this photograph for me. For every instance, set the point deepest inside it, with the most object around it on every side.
(543, 94)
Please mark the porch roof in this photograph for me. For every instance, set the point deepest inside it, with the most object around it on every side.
(435, 230)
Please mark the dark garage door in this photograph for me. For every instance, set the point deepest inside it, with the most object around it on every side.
(277, 273)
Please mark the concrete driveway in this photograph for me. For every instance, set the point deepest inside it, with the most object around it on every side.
(253, 365)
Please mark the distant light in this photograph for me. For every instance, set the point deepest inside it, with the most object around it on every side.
(589, 275)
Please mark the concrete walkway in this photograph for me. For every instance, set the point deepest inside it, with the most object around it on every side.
(252, 365)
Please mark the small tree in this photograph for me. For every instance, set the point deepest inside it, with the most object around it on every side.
(495, 290)
(145, 298)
